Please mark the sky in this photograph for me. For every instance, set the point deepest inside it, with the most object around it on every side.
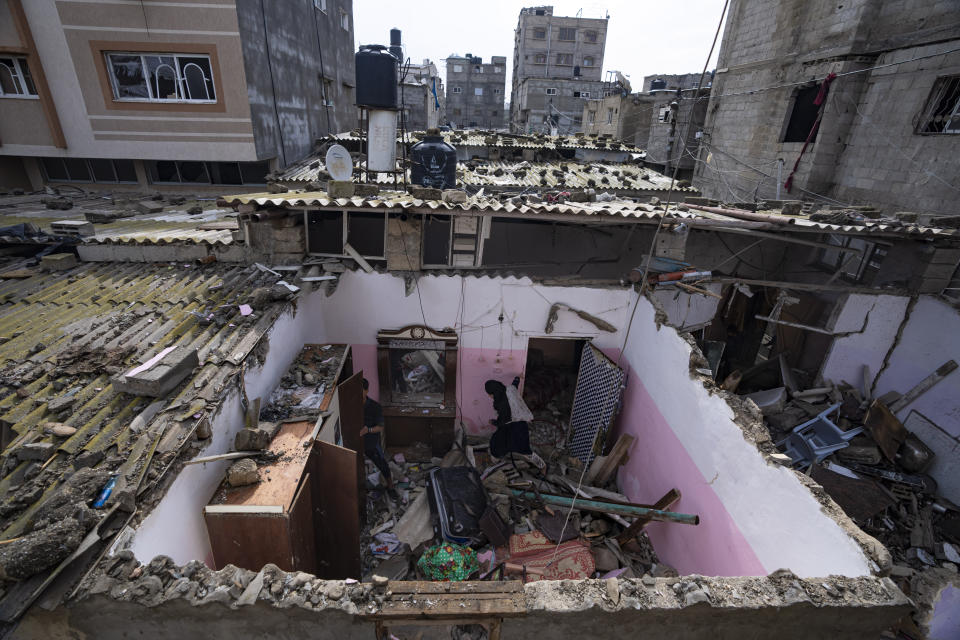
(644, 37)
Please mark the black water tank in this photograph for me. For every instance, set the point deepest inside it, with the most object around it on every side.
(658, 84)
(434, 162)
(376, 77)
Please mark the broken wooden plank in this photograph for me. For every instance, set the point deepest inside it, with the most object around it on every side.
(605, 466)
(668, 500)
(924, 385)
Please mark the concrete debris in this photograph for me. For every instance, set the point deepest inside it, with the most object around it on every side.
(243, 472)
(150, 206)
(40, 550)
(39, 451)
(252, 440)
(161, 374)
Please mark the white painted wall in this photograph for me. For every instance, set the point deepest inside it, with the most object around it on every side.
(929, 338)
(879, 317)
(776, 514)
(176, 527)
(685, 310)
(778, 517)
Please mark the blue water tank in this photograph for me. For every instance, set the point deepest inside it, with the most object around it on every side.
(433, 162)
(376, 77)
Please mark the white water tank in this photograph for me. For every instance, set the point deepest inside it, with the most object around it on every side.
(382, 140)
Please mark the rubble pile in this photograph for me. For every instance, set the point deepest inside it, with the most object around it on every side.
(864, 457)
(528, 527)
(303, 388)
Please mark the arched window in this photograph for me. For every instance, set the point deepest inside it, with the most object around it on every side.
(196, 82)
(165, 85)
(8, 81)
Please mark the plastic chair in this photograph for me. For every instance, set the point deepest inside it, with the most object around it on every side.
(815, 439)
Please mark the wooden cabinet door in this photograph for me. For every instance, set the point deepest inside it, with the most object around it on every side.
(335, 495)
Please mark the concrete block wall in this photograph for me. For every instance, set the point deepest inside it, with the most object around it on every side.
(884, 160)
(866, 151)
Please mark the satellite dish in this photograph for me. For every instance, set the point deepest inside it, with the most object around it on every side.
(339, 163)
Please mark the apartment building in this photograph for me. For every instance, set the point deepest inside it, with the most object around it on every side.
(475, 92)
(557, 65)
(167, 94)
(424, 100)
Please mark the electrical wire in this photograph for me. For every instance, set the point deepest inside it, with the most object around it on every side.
(643, 287)
(883, 136)
(839, 75)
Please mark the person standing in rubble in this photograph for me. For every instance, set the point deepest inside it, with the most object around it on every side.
(513, 429)
(372, 428)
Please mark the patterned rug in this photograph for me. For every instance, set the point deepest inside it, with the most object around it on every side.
(544, 561)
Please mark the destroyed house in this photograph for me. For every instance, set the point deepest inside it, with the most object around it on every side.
(670, 396)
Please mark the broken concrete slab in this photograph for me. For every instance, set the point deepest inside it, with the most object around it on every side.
(426, 193)
(39, 451)
(161, 374)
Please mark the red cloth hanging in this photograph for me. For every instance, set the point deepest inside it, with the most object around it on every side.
(819, 100)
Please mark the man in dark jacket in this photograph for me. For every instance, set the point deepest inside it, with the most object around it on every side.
(372, 428)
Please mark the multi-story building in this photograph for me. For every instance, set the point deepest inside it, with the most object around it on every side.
(883, 130)
(475, 92)
(665, 122)
(158, 93)
(557, 65)
(424, 101)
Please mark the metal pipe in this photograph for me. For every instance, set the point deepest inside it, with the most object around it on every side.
(623, 509)
(743, 215)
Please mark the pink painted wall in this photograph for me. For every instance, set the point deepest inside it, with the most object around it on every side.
(659, 462)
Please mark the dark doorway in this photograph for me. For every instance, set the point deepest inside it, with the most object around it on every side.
(550, 380)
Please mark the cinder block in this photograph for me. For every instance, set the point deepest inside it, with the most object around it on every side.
(340, 189)
(160, 377)
(58, 261)
(73, 228)
(150, 206)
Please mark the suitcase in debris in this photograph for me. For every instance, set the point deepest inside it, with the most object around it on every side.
(458, 501)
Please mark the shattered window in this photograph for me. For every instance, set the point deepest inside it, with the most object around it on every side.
(417, 375)
(161, 77)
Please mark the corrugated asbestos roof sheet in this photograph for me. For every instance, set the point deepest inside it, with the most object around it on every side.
(503, 140)
(65, 335)
(533, 175)
(172, 225)
(617, 207)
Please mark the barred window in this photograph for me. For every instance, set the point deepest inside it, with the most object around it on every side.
(941, 114)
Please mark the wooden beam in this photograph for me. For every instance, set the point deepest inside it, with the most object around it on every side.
(664, 503)
(36, 69)
(602, 469)
(924, 385)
